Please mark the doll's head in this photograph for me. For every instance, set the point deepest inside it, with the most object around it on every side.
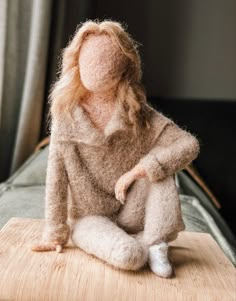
(101, 55)
(101, 63)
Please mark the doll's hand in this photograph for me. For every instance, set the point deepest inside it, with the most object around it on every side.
(47, 246)
(126, 180)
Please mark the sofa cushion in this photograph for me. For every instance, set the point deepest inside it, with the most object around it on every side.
(22, 202)
(32, 172)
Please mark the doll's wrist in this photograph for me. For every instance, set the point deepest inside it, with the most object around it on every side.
(56, 233)
(154, 170)
(139, 172)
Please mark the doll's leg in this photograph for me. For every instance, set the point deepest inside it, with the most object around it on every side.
(154, 210)
(99, 236)
(163, 221)
(131, 215)
(163, 217)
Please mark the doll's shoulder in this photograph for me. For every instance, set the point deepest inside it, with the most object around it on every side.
(156, 118)
(157, 123)
(168, 130)
(64, 127)
(58, 128)
(163, 127)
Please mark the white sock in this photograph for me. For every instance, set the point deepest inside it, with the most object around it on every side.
(158, 260)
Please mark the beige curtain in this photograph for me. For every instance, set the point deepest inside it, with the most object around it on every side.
(24, 36)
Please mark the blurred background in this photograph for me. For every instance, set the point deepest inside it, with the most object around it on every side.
(188, 50)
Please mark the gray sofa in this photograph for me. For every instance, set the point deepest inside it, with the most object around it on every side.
(22, 195)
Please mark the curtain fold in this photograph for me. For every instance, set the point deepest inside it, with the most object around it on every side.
(30, 115)
(25, 26)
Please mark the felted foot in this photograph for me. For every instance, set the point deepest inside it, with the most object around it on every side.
(158, 260)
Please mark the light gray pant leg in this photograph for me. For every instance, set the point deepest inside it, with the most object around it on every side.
(152, 211)
(163, 216)
(99, 236)
(131, 215)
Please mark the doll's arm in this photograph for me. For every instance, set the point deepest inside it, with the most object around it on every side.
(174, 150)
(56, 230)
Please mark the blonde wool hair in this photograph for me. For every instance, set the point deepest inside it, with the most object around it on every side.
(68, 91)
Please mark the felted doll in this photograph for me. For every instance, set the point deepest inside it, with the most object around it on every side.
(110, 183)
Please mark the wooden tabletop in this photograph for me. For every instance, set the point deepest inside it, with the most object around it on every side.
(202, 272)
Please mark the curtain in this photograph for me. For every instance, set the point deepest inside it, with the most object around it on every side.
(32, 34)
(24, 38)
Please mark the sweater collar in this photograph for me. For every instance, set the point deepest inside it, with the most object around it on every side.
(81, 128)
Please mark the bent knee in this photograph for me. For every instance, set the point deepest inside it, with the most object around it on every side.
(129, 255)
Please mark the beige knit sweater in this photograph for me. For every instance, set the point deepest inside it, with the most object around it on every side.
(84, 164)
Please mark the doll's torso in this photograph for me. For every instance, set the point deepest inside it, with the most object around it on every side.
(94, 162)
(93, 172)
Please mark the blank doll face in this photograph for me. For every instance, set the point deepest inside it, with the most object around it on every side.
(101, 63)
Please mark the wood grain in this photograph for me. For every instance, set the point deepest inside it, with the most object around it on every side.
(202, 271)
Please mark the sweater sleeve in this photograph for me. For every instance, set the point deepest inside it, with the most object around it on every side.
(174, 149)
(56, 228)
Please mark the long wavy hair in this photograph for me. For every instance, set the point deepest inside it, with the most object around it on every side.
(68, 90)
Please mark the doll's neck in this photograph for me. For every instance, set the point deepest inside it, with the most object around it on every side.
(99, 107)
(107, 96)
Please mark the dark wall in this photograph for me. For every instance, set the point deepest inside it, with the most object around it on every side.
(188, 48)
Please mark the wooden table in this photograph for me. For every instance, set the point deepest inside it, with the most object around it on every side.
(202, 272)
